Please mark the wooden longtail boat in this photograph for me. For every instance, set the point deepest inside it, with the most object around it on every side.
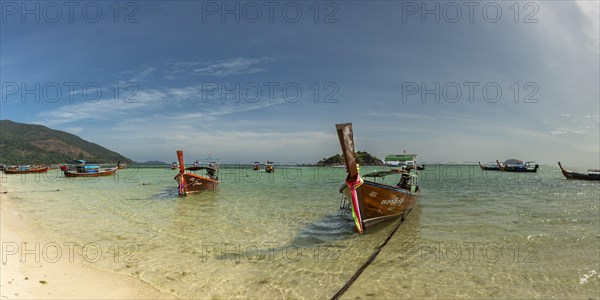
(490, 167)
(593, 174)
(25, 170)
(371, 202)
(515, 165)
(269, 167)
(121, 166)
(412, 166)
(190, 182)
(256, 166)
(84, 170)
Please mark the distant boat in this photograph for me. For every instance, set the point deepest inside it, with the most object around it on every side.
(190, 182)
(25, 169)
(403, 161)
(592, 174)
(256, 166)
(269, 167)
(371, 202)
(515, 165)
(411, 165)
(121, 166)
(490, 167)
(399, 160)
(82, 169)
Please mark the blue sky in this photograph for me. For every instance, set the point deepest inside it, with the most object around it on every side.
(484, 81)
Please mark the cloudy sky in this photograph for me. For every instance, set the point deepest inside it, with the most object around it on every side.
(245, 81)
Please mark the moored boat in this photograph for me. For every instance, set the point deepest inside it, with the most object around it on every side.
(121, 166)
(411, 165)
(371, 202)
(25, 169)
(82, 169)
(191, 182)
(403, 161)
(399, 160)
(256, 166)
(515, 165)
(592, 174)
(490, 167)
(269, 167)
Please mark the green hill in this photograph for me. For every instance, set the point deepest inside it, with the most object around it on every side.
(362, 158)
(28, 143)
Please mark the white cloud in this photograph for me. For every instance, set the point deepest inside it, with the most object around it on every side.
(159, 104)
(218, 68)
(74, 130)
(236, 66)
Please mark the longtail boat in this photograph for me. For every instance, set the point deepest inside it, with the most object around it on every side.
(25, 169)
(82, 169)
(371, 202)
(592, 174)
(490, 167)
(515, 165)
(256, 166)
(269, 167)
(190, 182)
(403, 161)
(121, 166)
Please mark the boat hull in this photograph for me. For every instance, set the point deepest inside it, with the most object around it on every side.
(517, 169)
(106, 172)
(30, 171)
(578, 176)
(489, 167)
(520, 170)
(379, 202)
(197, 183)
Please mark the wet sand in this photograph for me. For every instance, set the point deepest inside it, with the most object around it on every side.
(31, 268)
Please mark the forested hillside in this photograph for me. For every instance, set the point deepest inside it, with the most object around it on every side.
(28, 143)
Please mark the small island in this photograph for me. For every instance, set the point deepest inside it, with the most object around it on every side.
(362, 158)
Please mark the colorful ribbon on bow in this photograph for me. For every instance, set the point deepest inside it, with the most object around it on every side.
(353, 185)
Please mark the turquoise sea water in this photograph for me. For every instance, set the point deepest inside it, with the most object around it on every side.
(474, 234)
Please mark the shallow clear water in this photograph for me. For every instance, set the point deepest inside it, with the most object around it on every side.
(474, 234)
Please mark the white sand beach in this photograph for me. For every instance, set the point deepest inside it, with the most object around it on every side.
(54, 276)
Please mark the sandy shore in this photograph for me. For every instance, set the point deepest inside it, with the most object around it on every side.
(54, 276)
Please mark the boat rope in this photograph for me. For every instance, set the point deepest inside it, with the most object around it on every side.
(365, 265)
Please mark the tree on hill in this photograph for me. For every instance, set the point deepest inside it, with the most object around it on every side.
(37, 144)
(362, 158)
(333, 160)
(365, 158)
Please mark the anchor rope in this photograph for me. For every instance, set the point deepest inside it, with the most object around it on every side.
(365, 264)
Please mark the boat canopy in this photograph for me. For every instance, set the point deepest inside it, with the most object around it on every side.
(380, 174)
(79, 161)
(513, 162)
(400, 157)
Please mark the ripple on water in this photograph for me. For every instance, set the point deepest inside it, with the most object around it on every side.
(479, 236)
